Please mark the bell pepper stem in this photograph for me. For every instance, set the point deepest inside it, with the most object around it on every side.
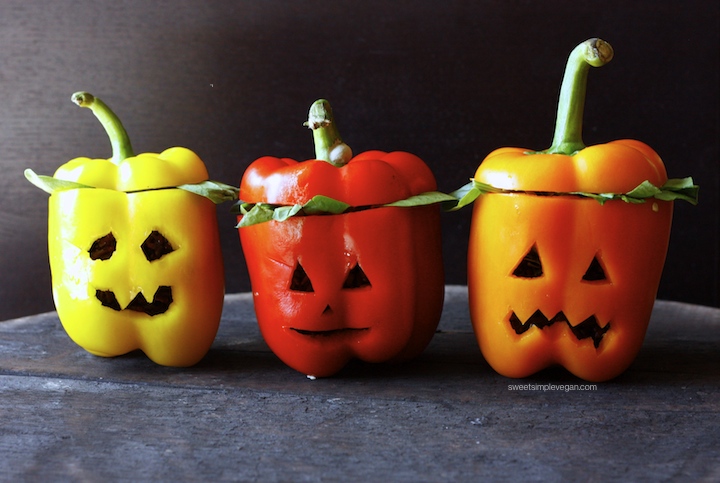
(328, 144)
(571, 104)
(119, 140)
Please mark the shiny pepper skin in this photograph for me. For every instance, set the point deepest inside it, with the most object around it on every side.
(184, 281)
(136, 261)
(560, 279)
(564, 280)
(366, 284)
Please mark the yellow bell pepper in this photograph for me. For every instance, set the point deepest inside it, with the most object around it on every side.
(134, 249)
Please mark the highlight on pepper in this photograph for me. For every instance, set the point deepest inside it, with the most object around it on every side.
(134, 248)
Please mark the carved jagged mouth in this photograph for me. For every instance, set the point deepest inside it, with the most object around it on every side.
(327, 333)
(588, 328)
(160, 303)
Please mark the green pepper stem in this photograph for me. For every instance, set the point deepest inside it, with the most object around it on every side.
(328, 145)
(121, 147)
(571, 104)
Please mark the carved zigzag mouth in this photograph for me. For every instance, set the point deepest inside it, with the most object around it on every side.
(588, 328)
(160, 303)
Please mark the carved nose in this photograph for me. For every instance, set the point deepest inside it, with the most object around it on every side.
(328, 310)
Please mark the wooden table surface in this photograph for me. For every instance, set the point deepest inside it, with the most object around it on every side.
(241, 414)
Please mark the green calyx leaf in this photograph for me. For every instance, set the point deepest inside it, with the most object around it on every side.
(427, 198)
(674, 189)
(679, 189)
(51, 185)
(254, 213)
(319, 205)
(213, 190)
(467, 194)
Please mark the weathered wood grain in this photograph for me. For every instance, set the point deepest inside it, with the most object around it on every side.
(242, 415)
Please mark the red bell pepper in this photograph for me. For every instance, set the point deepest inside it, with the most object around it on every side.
(364, 283)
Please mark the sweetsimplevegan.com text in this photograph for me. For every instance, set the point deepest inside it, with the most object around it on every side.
(552, 387)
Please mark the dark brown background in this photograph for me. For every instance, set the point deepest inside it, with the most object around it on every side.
(447, 80)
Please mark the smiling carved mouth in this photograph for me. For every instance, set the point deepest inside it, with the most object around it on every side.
(160, 303)
(327, 333)
(588, 328)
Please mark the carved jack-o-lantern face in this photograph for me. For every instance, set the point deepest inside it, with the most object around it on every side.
(154, 248)
(355, 279)
(531, 267)
(591, 225)
(128, 226)
(130, 274)
(328, 290)
(561, 280)
(366, 282)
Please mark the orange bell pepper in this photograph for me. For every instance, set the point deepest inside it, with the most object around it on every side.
(567, 245)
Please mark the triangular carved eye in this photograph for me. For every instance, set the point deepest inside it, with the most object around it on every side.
(103, 247)
(356, 278)
(300, 281)
(156, 246)
(530, 266)
(595, 271)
